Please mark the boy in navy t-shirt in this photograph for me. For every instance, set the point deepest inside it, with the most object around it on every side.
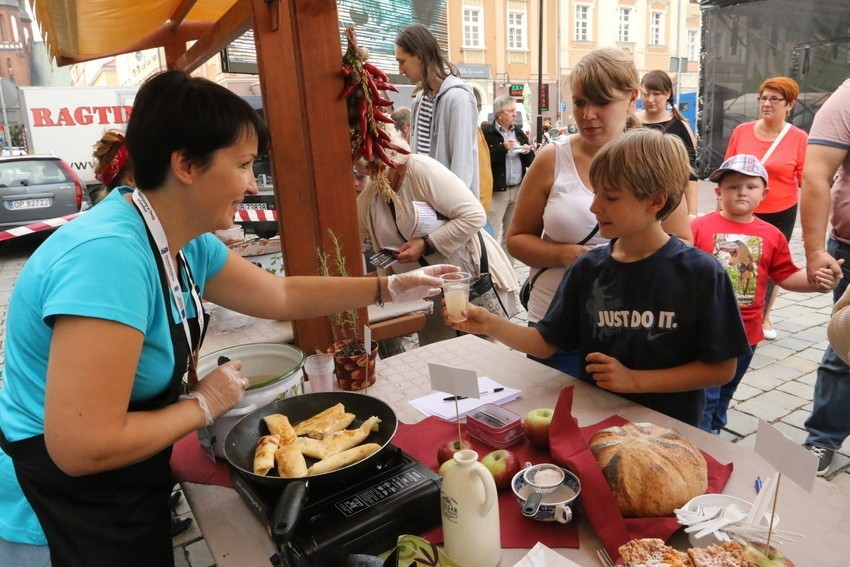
(656, 320)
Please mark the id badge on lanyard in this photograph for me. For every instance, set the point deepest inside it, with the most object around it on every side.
(158, 233)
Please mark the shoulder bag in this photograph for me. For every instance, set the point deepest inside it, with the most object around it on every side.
(482, 291)
(525, 290)
(775, 143)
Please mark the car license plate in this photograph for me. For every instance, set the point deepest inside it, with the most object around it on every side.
(29, 204)
(251, 206)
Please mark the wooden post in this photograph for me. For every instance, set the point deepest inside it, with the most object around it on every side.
(310, 156)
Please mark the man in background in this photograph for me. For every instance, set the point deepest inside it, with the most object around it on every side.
(401, 118)
(510, 156)
(823, 191)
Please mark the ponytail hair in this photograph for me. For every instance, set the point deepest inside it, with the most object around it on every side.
(660, 81)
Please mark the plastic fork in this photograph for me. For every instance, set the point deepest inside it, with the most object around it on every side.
(730, 515)
(604, 558)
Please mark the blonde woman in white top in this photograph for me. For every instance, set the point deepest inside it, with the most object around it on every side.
(553, 208)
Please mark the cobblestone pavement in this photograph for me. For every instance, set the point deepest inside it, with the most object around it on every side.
(778, 387)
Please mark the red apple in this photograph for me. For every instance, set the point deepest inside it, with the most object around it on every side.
(448, 449)
(755, 552)
(503, 465)
(536, 425)
(446, 466)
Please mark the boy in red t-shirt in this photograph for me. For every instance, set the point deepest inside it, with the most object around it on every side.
(751, 251)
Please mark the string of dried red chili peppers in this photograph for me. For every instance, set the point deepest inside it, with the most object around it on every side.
(369, 139)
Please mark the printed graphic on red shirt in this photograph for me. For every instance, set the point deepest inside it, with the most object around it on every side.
(739, 255)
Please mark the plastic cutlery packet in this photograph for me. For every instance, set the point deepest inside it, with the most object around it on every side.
(718, 518)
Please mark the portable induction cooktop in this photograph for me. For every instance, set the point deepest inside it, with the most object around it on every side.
(398, 496)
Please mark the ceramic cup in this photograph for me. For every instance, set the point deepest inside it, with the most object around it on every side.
(558, 505)
(320, 371)
(456, 292)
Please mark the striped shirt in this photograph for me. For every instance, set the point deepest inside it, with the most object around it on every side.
(423, 125)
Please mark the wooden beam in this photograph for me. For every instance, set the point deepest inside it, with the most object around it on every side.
(311, 158)
(235, 22)
(398, 326)
(180, 13)
(173, 53)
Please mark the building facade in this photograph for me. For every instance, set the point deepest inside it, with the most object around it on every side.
(16, 42)
(496, 44)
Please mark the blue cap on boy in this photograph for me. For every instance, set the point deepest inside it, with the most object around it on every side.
(741, 163)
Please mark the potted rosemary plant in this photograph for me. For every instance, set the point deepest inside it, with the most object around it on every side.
(355, 367)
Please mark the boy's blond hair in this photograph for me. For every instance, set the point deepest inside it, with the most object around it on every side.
(648, 163)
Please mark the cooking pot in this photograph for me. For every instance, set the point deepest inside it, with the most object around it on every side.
(241, 443)
(273, 370)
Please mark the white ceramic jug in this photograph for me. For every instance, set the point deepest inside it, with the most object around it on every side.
(470, 510)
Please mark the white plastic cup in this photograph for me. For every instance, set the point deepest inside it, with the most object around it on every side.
(456, 292)
(320, 372)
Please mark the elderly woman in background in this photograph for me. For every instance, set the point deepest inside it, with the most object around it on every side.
(552, 223)
(656, 90)
(781, 148)
(420, 181)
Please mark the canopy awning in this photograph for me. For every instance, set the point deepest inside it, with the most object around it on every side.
(82, 30)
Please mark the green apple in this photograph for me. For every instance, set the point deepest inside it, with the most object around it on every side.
(536, 425)
(503, 465)
(755, 552)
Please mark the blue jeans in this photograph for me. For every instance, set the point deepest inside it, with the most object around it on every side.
(829, 424)
(566, 361)
(717, 398)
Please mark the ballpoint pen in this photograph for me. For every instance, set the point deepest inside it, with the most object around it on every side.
(758, 484)
(453, 398)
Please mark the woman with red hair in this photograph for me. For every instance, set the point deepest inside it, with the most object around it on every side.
(781, 148)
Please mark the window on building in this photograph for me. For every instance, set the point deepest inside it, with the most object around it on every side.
(14, 22)
(582, 23)
(656, 28)
(3, 36)
(516, 30)
(693, 45)
(473, 28)
(625, 30)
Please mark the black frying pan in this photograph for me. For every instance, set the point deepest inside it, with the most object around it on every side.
(241, 443)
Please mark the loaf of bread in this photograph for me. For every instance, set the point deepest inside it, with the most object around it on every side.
(651, 470)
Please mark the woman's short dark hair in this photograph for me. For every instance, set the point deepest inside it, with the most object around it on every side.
(176, 112)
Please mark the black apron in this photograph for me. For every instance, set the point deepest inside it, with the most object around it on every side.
(113, 518)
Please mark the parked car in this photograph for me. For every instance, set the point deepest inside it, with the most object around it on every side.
(262, 201)
(35, 188)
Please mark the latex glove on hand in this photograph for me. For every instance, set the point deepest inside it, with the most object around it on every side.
(220, 390)
(418, 284)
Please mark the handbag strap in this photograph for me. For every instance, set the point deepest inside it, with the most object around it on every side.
(484, 266)
(775, 143)
(422, 261)
(582, 243)
(587, 238)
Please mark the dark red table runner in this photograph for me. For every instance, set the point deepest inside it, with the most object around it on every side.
(569, 449)
(569, 446)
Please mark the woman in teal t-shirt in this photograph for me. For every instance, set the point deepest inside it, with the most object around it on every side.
(105, 322)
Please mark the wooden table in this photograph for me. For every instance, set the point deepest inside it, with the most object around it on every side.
(235, 537)
(229, 328)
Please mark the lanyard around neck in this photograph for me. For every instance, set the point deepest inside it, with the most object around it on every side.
(158, 233)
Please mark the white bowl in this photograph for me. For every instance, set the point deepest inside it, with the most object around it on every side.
(274, 371)
(721, 500)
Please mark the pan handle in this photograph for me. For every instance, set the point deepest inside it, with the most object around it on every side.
(287, 511)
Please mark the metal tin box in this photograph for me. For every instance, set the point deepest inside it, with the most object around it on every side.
(495, 426)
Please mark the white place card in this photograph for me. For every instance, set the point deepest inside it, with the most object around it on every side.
(453, 380)
(786, 456)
